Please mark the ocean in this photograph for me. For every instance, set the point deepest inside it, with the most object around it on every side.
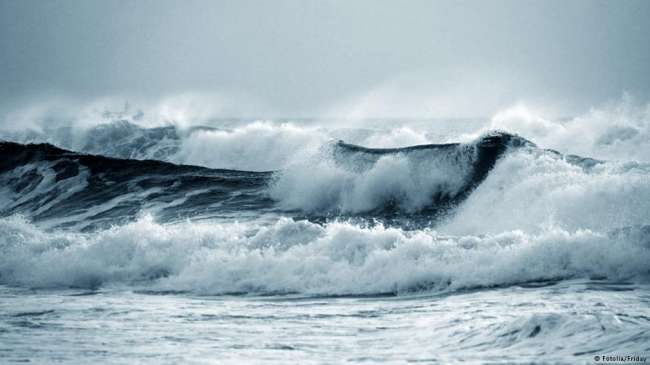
(507, 240)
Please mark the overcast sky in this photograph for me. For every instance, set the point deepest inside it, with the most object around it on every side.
(316, 58)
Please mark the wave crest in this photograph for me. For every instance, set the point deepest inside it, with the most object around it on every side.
(352, 179)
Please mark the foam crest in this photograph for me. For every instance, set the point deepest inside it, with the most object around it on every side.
(396, 181)
(259, 146)
(396, 137)
(531, 189)
(616, 131)
(352, 179)
(300, 257)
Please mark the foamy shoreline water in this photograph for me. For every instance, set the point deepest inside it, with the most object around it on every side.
(566, 322)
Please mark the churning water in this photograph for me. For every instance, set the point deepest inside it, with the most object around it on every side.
(511, 240)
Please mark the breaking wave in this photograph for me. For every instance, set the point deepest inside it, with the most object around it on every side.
(616, 131)
(332, 218)
(352, 179)
(301, 257)
(66, 188)
(536, 215)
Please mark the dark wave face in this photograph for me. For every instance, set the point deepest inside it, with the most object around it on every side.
(60, 188)
(64, 188)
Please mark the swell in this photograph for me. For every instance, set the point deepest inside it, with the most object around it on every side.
(63, 188)
(411, 187)
(52, 185)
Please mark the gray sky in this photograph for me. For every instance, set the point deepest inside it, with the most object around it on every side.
(315, 58)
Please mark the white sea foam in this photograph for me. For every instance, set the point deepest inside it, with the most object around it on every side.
(297, 256)
(259, 146)
(536, 216)
(268, 145)
(616, 131)
(529, 190)
(357, 182)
